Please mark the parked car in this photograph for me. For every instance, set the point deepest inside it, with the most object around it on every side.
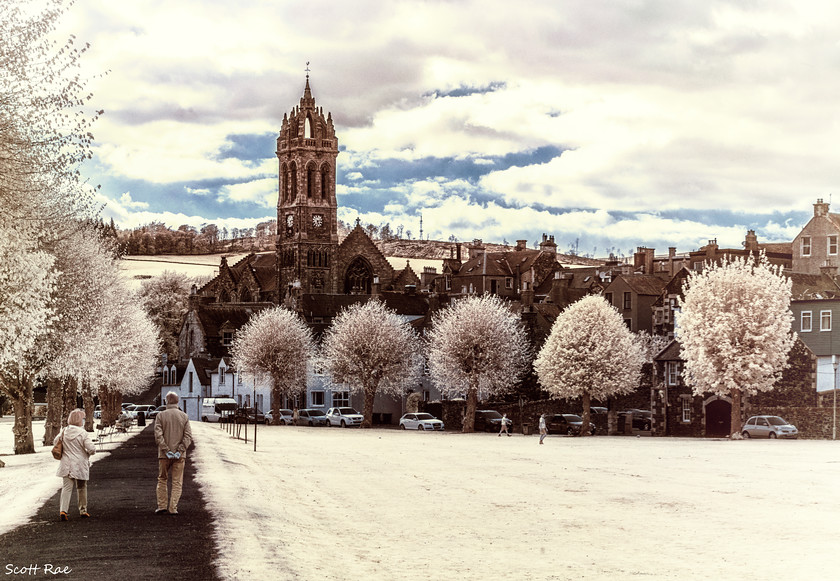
(490, 421)
(286, 417)
(146, 409)
(97, 412)
(310, 417)
(217, 409)
(641, 419)
(126, 404)
(249, 415)
(768, 427)
(420, 421)
(597, 410)
(569, 424)
(153, 414)
(344, 417)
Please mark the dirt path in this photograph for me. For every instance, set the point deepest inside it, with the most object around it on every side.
(124, 539)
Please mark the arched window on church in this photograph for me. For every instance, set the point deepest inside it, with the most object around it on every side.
(284, 181)
(310, 181)
(359, 277)
(307, 128)
(224, 297)
(325, 182)
(293, 183)
(245, 295)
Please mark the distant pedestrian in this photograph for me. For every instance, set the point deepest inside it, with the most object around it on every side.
(543, 428)
(173, 436)
(74, 466)
(504, 429)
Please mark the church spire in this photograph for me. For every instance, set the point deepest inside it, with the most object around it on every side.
(307, 92)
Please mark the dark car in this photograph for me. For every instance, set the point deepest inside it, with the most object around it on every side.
(641, 419)
(311, 418)
(490, 421)
(243, 415)
(569, 424)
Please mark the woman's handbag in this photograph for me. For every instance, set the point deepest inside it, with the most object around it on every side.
(58, 449)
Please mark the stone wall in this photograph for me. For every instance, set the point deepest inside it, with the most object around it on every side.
(813, 423)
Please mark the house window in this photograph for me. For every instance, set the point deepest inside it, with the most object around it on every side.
(608, 296)
(806, 246)
(221, 375)
(341, 399)
(832, 244)
(628, 300)
(508, 283)
(673, 372)
(165, 376)
(227, 338)
(686, 410)
(448, 283)
(317, 399)
(805, 322)
(825, 320)
(239, 378)
(191, 381)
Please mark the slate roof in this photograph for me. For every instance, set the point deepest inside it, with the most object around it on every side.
(813, 286)
(671, 352)
(213, 317)
(645, 284)
(328, 306)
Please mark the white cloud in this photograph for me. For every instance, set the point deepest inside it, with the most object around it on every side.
(127, 202)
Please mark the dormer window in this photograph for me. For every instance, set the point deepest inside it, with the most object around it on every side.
(222, 375)
(227, 338)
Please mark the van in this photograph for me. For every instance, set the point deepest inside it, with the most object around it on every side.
(214, 408)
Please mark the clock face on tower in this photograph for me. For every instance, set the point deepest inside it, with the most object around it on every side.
(290, 221)
(317, 220)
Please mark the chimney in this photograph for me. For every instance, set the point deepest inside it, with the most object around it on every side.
(522, 244)
(556, 292)
(649, 260)
(458, 251)
(548, 245)
(820, 208)
(527, 297)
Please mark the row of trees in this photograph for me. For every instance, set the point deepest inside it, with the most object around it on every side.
(736, 334)
(67, 319)
(157, 238)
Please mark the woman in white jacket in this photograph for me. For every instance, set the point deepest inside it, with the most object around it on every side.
(74, 467)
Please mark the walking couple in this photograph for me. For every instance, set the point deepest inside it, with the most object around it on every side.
(172, 435)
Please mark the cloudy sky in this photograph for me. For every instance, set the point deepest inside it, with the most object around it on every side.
(609, 125)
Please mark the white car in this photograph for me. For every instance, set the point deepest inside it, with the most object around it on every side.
(344, 417)
(420, 421)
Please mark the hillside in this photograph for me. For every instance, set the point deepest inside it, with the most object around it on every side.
(438, 250)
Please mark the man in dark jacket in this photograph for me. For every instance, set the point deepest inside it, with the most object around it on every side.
(173, 436)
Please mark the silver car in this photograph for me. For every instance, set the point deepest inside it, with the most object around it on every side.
(420, 421)
(768, 427)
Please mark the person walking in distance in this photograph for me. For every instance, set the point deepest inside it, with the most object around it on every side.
(543, 428)
(504, 429)
(74, 467)
(173, 437)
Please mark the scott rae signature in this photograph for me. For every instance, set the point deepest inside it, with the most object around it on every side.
(47, 568)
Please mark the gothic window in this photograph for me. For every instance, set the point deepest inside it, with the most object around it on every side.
(224, 297)
(245, 295)
(307, 128)
(325, 181)
(310, 181)
(293, 183)
(358, 279)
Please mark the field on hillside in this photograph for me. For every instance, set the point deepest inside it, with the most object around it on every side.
(139, 268)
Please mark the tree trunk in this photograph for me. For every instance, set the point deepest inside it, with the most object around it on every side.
(90, 406)
(370, 394)
(469, 413)
(276, 394)
(586, 401)
(735, 419)
(70, 398)
(52, 424)
(24, 441)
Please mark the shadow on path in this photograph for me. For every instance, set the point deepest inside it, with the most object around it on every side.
(124, 539)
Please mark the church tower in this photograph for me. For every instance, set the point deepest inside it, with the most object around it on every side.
(307, 222)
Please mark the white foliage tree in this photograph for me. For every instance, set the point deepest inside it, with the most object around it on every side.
(734, 329)
(372, 350)
(589, 353)
(477, 346)
(275, 344)
(166, 300)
